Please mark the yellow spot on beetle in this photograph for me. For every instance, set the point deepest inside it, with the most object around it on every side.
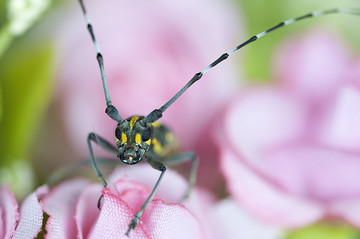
(169, 137)
(133, 121)
(157, 146)
(123, 138)
(137, 139)
(148, 142)
(155, 124)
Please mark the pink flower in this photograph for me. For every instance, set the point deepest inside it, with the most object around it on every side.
(150, 51)
(72, 209)
(27, 223)
(291, 152)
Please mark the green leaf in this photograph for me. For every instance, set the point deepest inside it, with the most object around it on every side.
(325, 231)
(26, 86)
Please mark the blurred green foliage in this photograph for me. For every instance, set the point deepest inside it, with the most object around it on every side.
(26, 80)
(26, 86)
(260, 15)
(325, 231)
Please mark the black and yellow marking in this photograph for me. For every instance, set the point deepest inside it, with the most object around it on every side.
(137, 138)
(148, 142)
(156, 124)
(123, 138)
(133, 121)
(163, 141)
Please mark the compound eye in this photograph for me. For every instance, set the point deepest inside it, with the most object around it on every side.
(145, 135)
(118, 133)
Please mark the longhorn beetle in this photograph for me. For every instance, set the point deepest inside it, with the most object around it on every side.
(143, 138)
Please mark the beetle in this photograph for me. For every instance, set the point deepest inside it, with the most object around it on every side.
(140, 138)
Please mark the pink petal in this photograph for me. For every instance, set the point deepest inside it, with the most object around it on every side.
(114, 219)
(200, 202)
(164, 220)
(136, 184)
(353, 74)
(60, 205)
(232, 222)
(255, 122)
(87, 211)
(31, 215)
(171, 189)
(132, 192)
(2, 222)
(315, 172)
(313, 65)
(160, 220)
(264, 199)
(9, 213)
(340, 127)
(348, 210)
(266, 134)
(259, 119)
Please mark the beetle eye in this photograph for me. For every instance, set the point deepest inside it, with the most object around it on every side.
(118, 133)
(145, 135)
